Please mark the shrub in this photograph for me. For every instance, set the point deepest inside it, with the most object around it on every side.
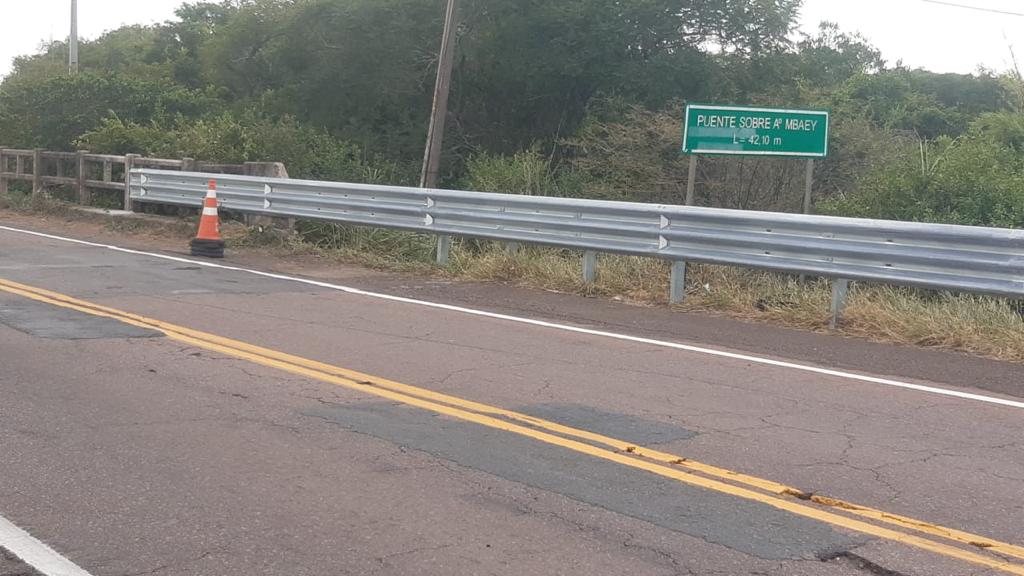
(227, 138)
(971, 180)
(53, 112)
(527, 172)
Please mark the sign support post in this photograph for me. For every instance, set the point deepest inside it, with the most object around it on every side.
(809, 185)
(691, 180)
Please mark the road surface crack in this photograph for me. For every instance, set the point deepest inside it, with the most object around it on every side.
(631, 544)
(383, 560)
(860, 563)
(445, 380)
(159, 569)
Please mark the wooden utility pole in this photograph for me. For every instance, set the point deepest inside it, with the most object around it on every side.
(439, 114)
(73, 39)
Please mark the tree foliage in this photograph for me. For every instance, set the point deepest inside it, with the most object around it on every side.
(970, 180)
(53, 112)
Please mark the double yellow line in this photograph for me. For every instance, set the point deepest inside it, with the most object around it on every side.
(870, 521)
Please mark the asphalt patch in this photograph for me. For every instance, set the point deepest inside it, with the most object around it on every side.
(632, 429)
(48, 321)
(749, 527)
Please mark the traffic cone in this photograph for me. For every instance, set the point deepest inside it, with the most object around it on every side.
(208, 242)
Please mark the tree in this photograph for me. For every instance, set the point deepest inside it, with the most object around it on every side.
(970, 180)
(52, 113)
(832, 56)
(179, 42)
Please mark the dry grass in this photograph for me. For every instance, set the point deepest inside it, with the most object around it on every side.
(980, 325)
(28, 204)
(374, 248)
(986, 326)
(637, 280)
(47, 206)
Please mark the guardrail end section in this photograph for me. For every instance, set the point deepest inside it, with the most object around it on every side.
(677, 283)
(840, 292)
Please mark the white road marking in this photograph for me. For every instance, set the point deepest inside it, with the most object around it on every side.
(45, 266)
(35, 553)
(553, 325)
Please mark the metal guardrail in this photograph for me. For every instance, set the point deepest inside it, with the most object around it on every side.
(961, 258)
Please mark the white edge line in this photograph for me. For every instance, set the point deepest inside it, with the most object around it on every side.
(686, 131)
(553, 325)
(714, 108)
(713, 151)
(34, 552)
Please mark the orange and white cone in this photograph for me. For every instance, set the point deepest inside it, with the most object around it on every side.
(208, 242)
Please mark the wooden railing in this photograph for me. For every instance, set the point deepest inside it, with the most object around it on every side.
(85, 172)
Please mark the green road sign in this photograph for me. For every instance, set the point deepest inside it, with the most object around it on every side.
(746, 131)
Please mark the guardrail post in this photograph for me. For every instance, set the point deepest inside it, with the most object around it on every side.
(444, 249)
(3, 168)
(677, 279)
(840, 290)
(511, 248)
(37, 171)
(189, 165)
(677, 282)
(83, 190)
(129, 165)
(589, 266)
(108, 171)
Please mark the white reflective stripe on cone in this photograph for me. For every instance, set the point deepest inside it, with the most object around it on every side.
(209, 211)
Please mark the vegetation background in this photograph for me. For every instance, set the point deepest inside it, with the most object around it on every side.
(572, 98)
(579, 98)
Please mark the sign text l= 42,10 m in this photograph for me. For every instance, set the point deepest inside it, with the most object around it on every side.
(756, 140)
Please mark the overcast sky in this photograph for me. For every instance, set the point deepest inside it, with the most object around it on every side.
(920, 33)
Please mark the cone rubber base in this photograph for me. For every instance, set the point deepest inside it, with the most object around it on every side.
(208, 248)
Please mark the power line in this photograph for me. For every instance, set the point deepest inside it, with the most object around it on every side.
(978, 8)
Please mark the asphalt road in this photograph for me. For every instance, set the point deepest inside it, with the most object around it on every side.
(152, 436)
